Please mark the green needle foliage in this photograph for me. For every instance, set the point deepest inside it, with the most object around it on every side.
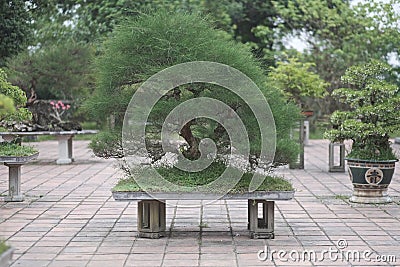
(374, 113)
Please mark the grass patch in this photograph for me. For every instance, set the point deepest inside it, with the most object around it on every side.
(89, 125)
(10, 149)
(3, 247)
(317, 134)
(192, 180)
(342, 197)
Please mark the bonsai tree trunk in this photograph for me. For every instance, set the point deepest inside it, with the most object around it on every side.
(193, 151)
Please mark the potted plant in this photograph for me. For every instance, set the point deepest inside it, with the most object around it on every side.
(374, 112)
(13, 154)
(6, 253)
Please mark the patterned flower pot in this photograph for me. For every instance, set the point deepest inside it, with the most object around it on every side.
(370, 180)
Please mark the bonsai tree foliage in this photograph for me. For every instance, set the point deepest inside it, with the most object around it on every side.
(297, 81)
(12, 101)
(142, 46)
(374, 111)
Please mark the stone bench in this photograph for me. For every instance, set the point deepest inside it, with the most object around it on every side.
(152, 209)
(65, 155)
(14, 175)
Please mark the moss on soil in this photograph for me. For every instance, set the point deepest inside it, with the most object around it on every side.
(9, 149)
(192, 180)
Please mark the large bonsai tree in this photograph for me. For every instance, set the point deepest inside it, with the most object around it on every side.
(145, 45)
(374, 111)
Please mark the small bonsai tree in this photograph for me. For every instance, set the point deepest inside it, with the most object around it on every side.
(374, 112)
(12, 102)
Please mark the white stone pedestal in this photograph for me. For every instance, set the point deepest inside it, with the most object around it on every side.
(14, 183)
(65, 155)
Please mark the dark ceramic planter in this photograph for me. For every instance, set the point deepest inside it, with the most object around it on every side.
(370, 180)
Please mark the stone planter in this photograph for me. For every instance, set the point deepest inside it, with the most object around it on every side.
(370, 180)
(6, 258)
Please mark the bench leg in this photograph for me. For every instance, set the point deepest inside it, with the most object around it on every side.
(261, 227)
(332, 166)
(64, 149)
(151, 218)
(70, 149)
(14, 183)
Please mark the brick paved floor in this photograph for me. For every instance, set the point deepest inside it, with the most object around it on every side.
(69, 218)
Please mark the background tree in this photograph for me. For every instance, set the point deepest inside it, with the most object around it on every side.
(297, 81)
(14, 29)
(60, 71)
(340, 35)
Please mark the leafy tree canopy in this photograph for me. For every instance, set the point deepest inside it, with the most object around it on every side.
(340, 35)
(297, 80)
(15, 28)
(58, 71)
